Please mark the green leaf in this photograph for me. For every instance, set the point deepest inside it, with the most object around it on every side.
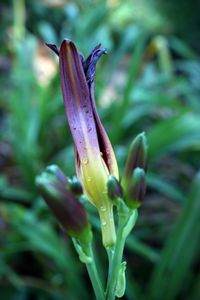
(174, 134)
(179, 252)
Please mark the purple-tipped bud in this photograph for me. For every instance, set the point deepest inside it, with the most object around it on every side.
(54, 186)
(137, 157)
(136, 189)
(114, 188)
(75, 186)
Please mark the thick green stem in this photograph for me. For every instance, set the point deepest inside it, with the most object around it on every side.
(107, 225)
(86, 256)
(110, 253)
(127, 219)
(115, 265)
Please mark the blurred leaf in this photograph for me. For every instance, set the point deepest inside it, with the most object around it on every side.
(180, 250)
(175, 134)
(164, 187)
(47, 32)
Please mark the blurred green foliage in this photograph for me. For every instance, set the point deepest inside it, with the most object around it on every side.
(150, 81)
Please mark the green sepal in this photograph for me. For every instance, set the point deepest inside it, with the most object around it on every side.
(83, 257)
(130, 223)
(121, 281)
(85, 236)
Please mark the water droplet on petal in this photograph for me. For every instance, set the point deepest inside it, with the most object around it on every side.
(89, 179)
(85, 161)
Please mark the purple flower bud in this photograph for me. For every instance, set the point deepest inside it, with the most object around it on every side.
(54, 186)
(94, 156)
(75, 186)
(137, 157)
(114, 188)
(136, 189)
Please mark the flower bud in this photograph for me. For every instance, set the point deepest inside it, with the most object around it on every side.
(75, 186)
(137, 157)
(54, 186)
(136, 189)
(114, 188)
(94, 156)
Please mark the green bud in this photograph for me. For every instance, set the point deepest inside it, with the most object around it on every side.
(137, 157)
(114, 188)
(136, 189)
(54, 186)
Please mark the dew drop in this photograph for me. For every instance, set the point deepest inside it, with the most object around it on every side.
(103, 223)
(102, 208)
(89, 179)
(85, 161)
(101, 153)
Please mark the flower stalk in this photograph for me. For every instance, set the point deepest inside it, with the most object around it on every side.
(97, 174)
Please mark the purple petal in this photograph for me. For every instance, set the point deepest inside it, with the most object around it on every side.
(104, 142)
(54, 48)
(89, 65)
(77, 100)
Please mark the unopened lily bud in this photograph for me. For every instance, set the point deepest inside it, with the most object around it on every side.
(71, 214)
(75, 186)
(137, 157)
(136, 189)
(94, 156)
(114, 188)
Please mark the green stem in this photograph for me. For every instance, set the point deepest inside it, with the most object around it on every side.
(107, 225)
(110, 253)
(94, 277)
(127, 219)
(115, 265)
(117, 257)
(86, 256)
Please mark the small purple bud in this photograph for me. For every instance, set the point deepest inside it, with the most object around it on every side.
(136, 189)
(75, 186)
(54, 186)
(137, 157)
(114, 188)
